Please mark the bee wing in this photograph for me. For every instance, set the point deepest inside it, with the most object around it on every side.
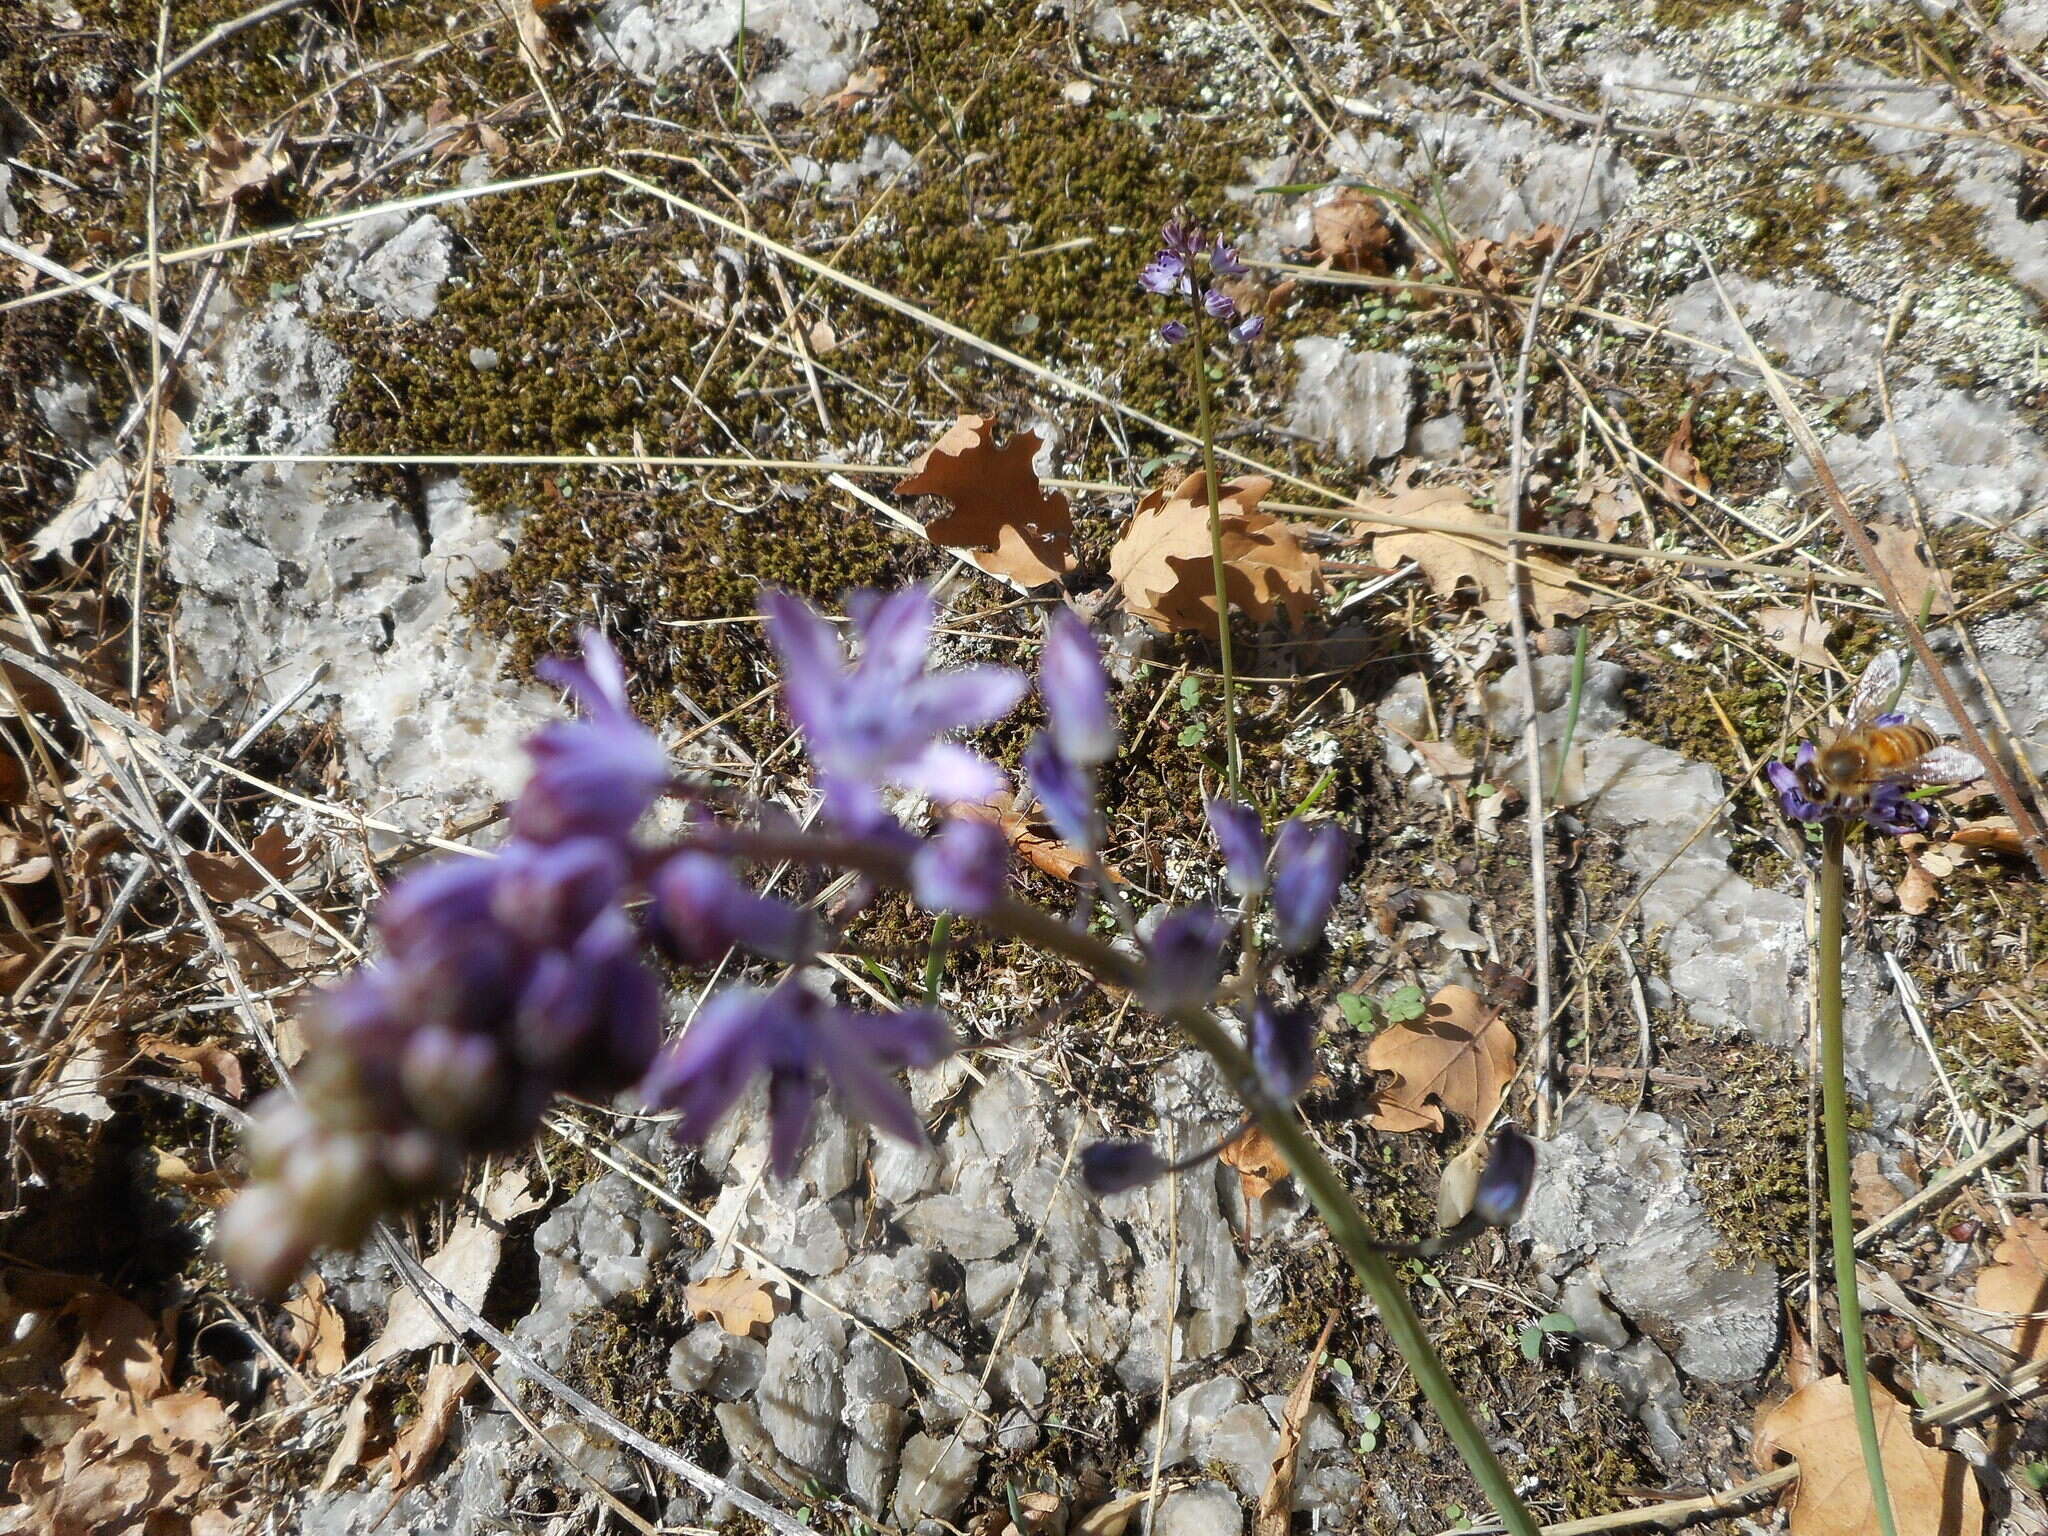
(1947, 765)
(1875, 690)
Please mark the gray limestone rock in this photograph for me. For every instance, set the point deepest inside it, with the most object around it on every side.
(876, 1392)
(1208, 1509)
(708, 1359)
(966, 1229)
(817, 41)
(1648, 1383)
(1190, 1414)
(1356, 402)
(1243, 1441)
(596, 1245)
(803, 1390)
(1612, 1191)
(935, 1478)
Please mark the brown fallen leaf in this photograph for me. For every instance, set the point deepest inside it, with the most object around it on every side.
(317, 1331)
(355, 1436)
(1916, 888)
(1920, 585)
(465, 1264)
(1043, 1514)
(1448, 561)
(1036, 847)
(1351, 233)
(860, 86)
(233, 169)
(1932, 1491)
(1259, 1163)
(1505, 265)
(1992, 834)
(1163, 564)
(1683, 477)
(739, 1301)
(535, 28)
(2015, 1283)
(227, 877)
(414, 1449)
(1113, 1518)
(1871, 1194)
(214, 1065)
(1800, 633)
(1458, 1054)
(1275, 1513)
(1002, 518)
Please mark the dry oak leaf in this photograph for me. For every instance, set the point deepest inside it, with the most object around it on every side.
(1259, 1163)
(1274, 1516)
(233, 169)
(1351, 233)
(1898, 551)
(1043, 852)
(1002, 518)
(465, 1264)
(1448, 561)
(1163, 564)
(227, 877)
(1992, 834)
(1682, 473)
(1503, 265)
(739, 1301)
(414, 1449)
(1932, 1491)
(2015, 1282)
(1458, 1054)
(317, 1332)
(1800, 633)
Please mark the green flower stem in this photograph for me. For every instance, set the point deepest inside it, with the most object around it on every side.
(1045, 931)
(1198, 347)
(1834, 1098)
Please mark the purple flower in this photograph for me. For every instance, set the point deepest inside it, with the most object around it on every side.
(593, 1013)
(1076, 691)
(1111, 1167)
(1248, 330)
(595, 776)
(1173, 333)
(704, 909)
(1888, 807)
(1283, 1046)
(879, 721)
(1181, 239)
(1308, 866)
(1223, 260)
(1509, 1175)
(803, 1044)
(1066, 790)
(963, 869)
(1166, 273)
(1219, 304)
(1183, 959)
(548, 893)
(1243, 841)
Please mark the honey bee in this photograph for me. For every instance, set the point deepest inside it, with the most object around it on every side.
(1873, 748)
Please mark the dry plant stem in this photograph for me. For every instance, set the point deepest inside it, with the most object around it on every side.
(1325, 1187)
(1834, 1092)
(1198, 366)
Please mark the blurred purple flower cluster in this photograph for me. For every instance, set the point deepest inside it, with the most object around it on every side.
(1171, 274)
(504, 982)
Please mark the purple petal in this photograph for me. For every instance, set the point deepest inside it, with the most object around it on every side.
(896, 636)
(1183, 959)
(1173, 333)
(1165, 274)
(703, 1074)
(813, 663)
(869, 1093)
(1308, 868)
(1076, 690)
(1283, 1047)
(949, 773)
(704, 909)
(1219, 304)
(791, 1098)
(548, 893)
(598, 680)
(952, 701)
(1249, 329)
(913, 1037)
(963, 869)
(1066, 791)
(1223, 260)
(1243, 841)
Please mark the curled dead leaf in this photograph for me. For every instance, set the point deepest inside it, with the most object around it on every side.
(233, 169)
(1800, 633)
(1351, 233)
(1163, 563)
(1683, 477)
(414, 1449)
(1921, 586)
(1002, 518)
(1259, 1163)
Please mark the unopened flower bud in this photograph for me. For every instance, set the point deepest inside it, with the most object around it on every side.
(452, 1078)
(1509, 1176)
(1065, 789)
(1076, 691)
(1111, 1167)
(1283, 1046)
(1183, 959)
(1243, 841)
(1308, 867)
